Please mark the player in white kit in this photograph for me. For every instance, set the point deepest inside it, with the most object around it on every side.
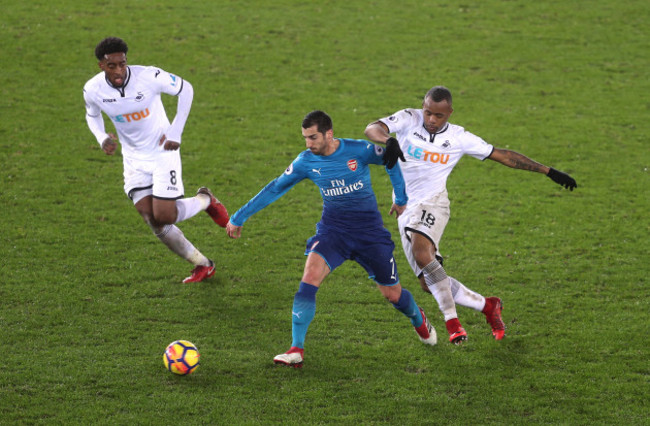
(153, 180)
(429, 147)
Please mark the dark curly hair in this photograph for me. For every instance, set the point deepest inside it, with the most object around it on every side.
(318, 118)
(110, 45)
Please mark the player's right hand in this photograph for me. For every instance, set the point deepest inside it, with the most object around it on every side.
(110, 145)
(393, 153)
(397, 209)
(562, 178)
(233, 230)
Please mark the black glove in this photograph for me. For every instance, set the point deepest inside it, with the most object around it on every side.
(392, 153)
(562, 178)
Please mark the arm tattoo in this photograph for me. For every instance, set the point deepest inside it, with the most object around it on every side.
(518, 161)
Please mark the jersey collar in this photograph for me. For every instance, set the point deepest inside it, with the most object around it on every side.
(432, 136)
(126, 81)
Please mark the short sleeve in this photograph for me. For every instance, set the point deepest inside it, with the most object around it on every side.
(403, 119)
(166, 82)
(475, 146)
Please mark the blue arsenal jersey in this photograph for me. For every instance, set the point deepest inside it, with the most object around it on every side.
(343, 179)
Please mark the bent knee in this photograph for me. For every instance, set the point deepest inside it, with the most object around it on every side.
(165, 218)
(423, 258)
(392, 294)
(149, 219)
(392, 298)
(312, 278)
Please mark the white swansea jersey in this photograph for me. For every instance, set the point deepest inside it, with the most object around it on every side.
(430, 158)
(135, 109)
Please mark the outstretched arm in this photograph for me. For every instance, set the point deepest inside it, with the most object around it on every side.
(269, 194)
(519, 161)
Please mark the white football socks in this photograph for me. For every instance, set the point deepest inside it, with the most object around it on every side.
(174, 238)
(438, 283)
(466, 297)
(190, 207)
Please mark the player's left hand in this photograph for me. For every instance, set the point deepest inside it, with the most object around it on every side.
(169, 145)
(393, 153)
(562, 178)
(398, 210)
(233, 230)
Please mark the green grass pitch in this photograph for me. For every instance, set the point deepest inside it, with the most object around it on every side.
(89, 298)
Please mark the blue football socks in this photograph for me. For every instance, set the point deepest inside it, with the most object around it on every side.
(303, 311)
(406, 305)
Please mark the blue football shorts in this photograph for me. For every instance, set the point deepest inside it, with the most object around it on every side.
(372, 249)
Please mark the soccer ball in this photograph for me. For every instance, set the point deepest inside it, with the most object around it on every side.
(181, 357)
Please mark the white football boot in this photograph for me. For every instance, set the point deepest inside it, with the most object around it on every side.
(426, 332)
(293, 359)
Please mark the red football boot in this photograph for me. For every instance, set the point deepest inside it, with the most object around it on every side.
(492, 311)
(457, 333)
(216, 209)
(200, 272)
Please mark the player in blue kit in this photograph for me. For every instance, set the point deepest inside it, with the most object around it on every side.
(351, 227)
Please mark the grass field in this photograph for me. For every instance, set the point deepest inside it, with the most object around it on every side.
(90, 298)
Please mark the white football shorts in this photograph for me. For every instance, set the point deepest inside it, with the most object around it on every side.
(161, 177)
(428, 218)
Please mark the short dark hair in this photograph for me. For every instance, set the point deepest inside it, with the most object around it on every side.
(318, 118)
(110, 45)
(439, 94)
